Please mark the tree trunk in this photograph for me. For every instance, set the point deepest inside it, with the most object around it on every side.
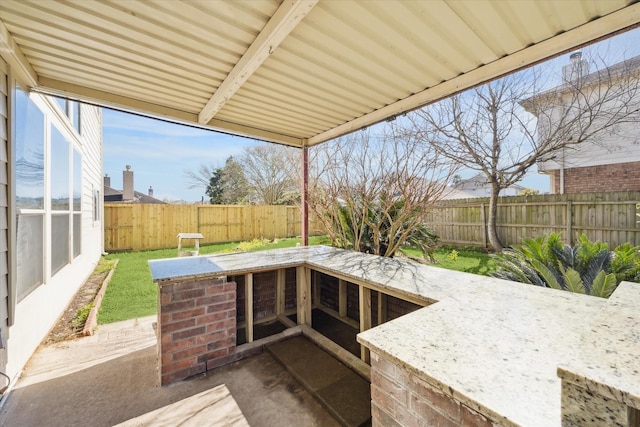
(494, 240)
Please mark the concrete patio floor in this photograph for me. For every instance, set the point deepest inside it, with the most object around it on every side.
(111, 377)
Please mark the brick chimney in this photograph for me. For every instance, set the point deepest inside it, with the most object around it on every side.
(576, 69)
(150, 191)
(107, 181)
(127, 184)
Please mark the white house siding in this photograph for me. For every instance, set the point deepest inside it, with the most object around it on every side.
(92, 241)
(37, 313)
(4, 211)
(619, 144)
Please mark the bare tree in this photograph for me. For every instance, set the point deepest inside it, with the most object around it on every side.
(372, 194)
(200, 178)
(488, 130)
(271, 172)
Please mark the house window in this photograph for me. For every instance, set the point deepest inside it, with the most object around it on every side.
(77, 203)
(29, 153)
(75, 115)
(96, 205)
(60, 201)
(30, 183)
(48, 182)
(71, 110)
(59, 171)
(29, 253)
(62, 103)
(59, 241)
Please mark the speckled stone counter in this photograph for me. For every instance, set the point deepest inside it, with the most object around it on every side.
(602, 379)
(496, 350)
(499, 348)
(413, 281)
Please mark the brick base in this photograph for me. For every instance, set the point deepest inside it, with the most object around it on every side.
(196, 327)
(400, 398)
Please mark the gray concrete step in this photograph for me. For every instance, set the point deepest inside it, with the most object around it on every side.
(345, 394)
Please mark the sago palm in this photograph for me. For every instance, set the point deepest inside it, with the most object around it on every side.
(587, 267)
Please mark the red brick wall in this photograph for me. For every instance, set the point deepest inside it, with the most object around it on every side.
(196, 327)
(264, 294)
(399, 398)
(290, 301)
(599, 179)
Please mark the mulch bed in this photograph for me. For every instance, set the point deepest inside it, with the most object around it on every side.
(67, 327)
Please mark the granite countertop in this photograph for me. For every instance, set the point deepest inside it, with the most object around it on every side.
(417, 282)
(496, 346)
(233, 263)
(607, 356)
(496, 351)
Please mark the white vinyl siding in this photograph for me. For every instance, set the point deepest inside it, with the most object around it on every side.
(4, 211)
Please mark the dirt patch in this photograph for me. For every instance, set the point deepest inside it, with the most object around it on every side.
(70, 324)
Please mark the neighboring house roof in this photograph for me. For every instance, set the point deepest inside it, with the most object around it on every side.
(476, 186)
(454, 193)
(113, 195)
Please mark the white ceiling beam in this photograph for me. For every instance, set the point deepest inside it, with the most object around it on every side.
(12, 53)
(601, 27)
(283, 21)
(50, 86)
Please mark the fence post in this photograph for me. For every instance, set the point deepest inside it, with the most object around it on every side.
(569, 222)
(484, 225)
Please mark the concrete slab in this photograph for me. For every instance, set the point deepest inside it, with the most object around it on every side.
(313, 366)
(350, 398)
(344, 393)
(337, 331)
(195, 411)
(107, 379)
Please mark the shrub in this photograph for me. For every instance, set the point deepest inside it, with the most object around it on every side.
(383, 228)
(587, 267)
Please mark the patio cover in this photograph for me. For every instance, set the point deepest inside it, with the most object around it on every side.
(297, 72)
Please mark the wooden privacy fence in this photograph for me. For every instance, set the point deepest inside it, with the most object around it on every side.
(154, 226)
(607, 217)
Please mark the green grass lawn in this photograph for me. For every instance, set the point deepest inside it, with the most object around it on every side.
(131, 292)
(469, 259)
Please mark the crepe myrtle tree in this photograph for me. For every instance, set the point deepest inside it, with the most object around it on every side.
(503, 128)
(373, 193)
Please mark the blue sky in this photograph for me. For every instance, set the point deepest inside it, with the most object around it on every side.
(160, 152)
